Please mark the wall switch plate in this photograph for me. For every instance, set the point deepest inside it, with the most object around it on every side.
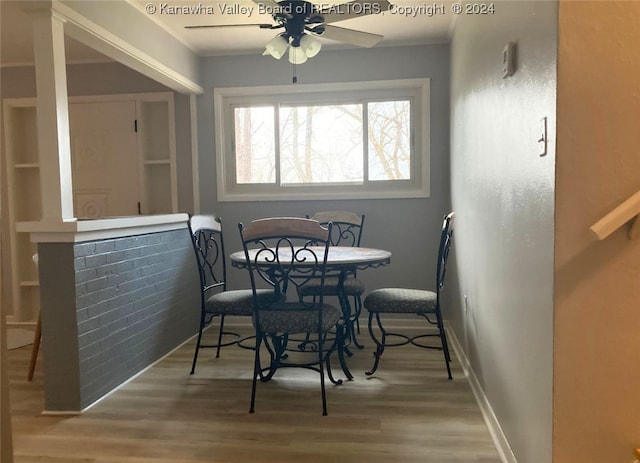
(508, 60)
(542, 137)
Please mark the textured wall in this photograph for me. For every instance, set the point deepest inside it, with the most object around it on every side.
(597, 316)
(135, 298)
(503, 195)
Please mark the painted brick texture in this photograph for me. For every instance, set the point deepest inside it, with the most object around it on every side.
(136, 299)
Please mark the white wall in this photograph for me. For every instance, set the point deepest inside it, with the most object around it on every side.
(122, 32)
(503, 194)
(408, 227)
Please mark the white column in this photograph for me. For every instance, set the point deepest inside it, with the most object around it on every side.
(53, 117)
(195, 161)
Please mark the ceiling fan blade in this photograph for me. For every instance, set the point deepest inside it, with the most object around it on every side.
(353, 9)
(350, 36)
(212, 26)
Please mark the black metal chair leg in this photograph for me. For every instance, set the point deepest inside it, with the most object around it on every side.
(220, 336)
(447, 362)
(358, 312)
(195, 354)
(327, 360)
(340, 335)
(446, 355)
(333, 380)
(343, 300)
(379, 343)
(256, 372)
(443, 341)
(276, 352)
(445, 344)
(322, 386)
(354, 322)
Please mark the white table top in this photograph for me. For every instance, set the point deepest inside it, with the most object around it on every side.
(339, 256)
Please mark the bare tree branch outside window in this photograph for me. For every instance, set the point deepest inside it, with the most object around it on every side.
(324, 143)
(389, 140)
(255, 145)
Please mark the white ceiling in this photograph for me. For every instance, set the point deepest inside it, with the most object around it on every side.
(397, 28)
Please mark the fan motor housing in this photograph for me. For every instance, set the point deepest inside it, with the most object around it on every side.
(294, 9)
(295, 15)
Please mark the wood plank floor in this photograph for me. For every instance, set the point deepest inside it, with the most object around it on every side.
(408, 412)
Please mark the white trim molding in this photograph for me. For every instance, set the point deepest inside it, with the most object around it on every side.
(417, 91)
(495, 430)
(89, 230)
(102, 40)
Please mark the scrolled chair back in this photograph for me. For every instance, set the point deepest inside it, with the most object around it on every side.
(280, 253)
(446, 238)
(347, 226)
(284, 252)
(208, 245)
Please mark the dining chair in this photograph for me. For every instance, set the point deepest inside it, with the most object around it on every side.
(424, 303)
(347, 231)
(215, 299)
(291, 330)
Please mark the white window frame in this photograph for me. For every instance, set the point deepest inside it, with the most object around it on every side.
(226, 99)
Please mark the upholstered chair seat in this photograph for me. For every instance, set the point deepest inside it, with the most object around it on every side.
(401, 300)
(236, 302)
(350, 287)
(294, 318)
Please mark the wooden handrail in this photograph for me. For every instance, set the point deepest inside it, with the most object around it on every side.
(625, 212)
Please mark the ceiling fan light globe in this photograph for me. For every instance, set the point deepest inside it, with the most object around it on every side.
(310, 46)
(277, 46)
(297, 55)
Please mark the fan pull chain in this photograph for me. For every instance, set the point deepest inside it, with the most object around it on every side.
(294, 78)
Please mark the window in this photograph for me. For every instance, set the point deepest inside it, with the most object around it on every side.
(330, 141)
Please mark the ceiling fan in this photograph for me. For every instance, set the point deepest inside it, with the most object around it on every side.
(302, 21)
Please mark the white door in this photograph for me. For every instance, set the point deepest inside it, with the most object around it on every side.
(104, 159)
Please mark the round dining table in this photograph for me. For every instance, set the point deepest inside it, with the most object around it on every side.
(342, 259)
(339, 258)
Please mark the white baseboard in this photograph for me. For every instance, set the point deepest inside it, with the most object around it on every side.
(495, 430)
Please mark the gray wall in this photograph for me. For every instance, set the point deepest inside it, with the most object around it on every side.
(110, 308)
(503, 194)
(407, 227)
